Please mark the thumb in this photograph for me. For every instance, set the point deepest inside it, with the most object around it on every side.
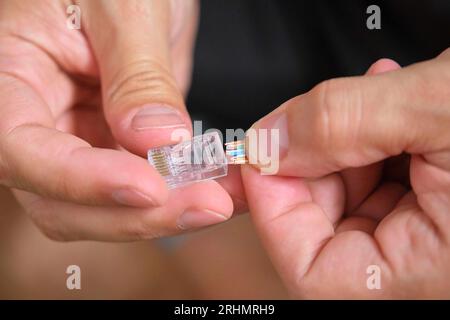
(142, 101)
(356, 121)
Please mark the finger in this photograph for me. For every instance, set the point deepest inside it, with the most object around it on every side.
(353, 122)
(67, 46)
(292, 228)
(382, 66)
(360, 182)
(232, 183)
(142, 100)
(301, 243)
(329, 194)
(186, 209)
(381, 201)
(36, 157)
(184, 31)
(88, 123)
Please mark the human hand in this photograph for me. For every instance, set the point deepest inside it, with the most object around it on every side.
(347, 197)
(70, 97)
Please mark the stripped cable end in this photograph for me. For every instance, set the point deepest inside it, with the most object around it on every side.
(235, 152)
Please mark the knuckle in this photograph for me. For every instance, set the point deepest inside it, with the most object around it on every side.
(430, 85)
(65, 185)
(42, 215)
(62, 187)
(53, 234)
(325, 102)
(141, 80)
(338, 114)
(142, 229)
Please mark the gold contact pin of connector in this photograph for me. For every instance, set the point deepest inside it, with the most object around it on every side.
(160, 163)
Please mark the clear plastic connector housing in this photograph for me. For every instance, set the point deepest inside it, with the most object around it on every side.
(201, 158)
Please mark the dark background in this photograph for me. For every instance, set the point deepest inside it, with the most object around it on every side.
(252, 55)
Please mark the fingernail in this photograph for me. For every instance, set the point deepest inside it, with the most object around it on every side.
(132, 197)
(195, 219)
(157, 117)
(277, 121)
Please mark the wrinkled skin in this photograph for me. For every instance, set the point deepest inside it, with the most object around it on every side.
(348, 197)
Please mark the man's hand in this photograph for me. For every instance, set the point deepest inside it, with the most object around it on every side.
(71, 97)
(364, 180)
